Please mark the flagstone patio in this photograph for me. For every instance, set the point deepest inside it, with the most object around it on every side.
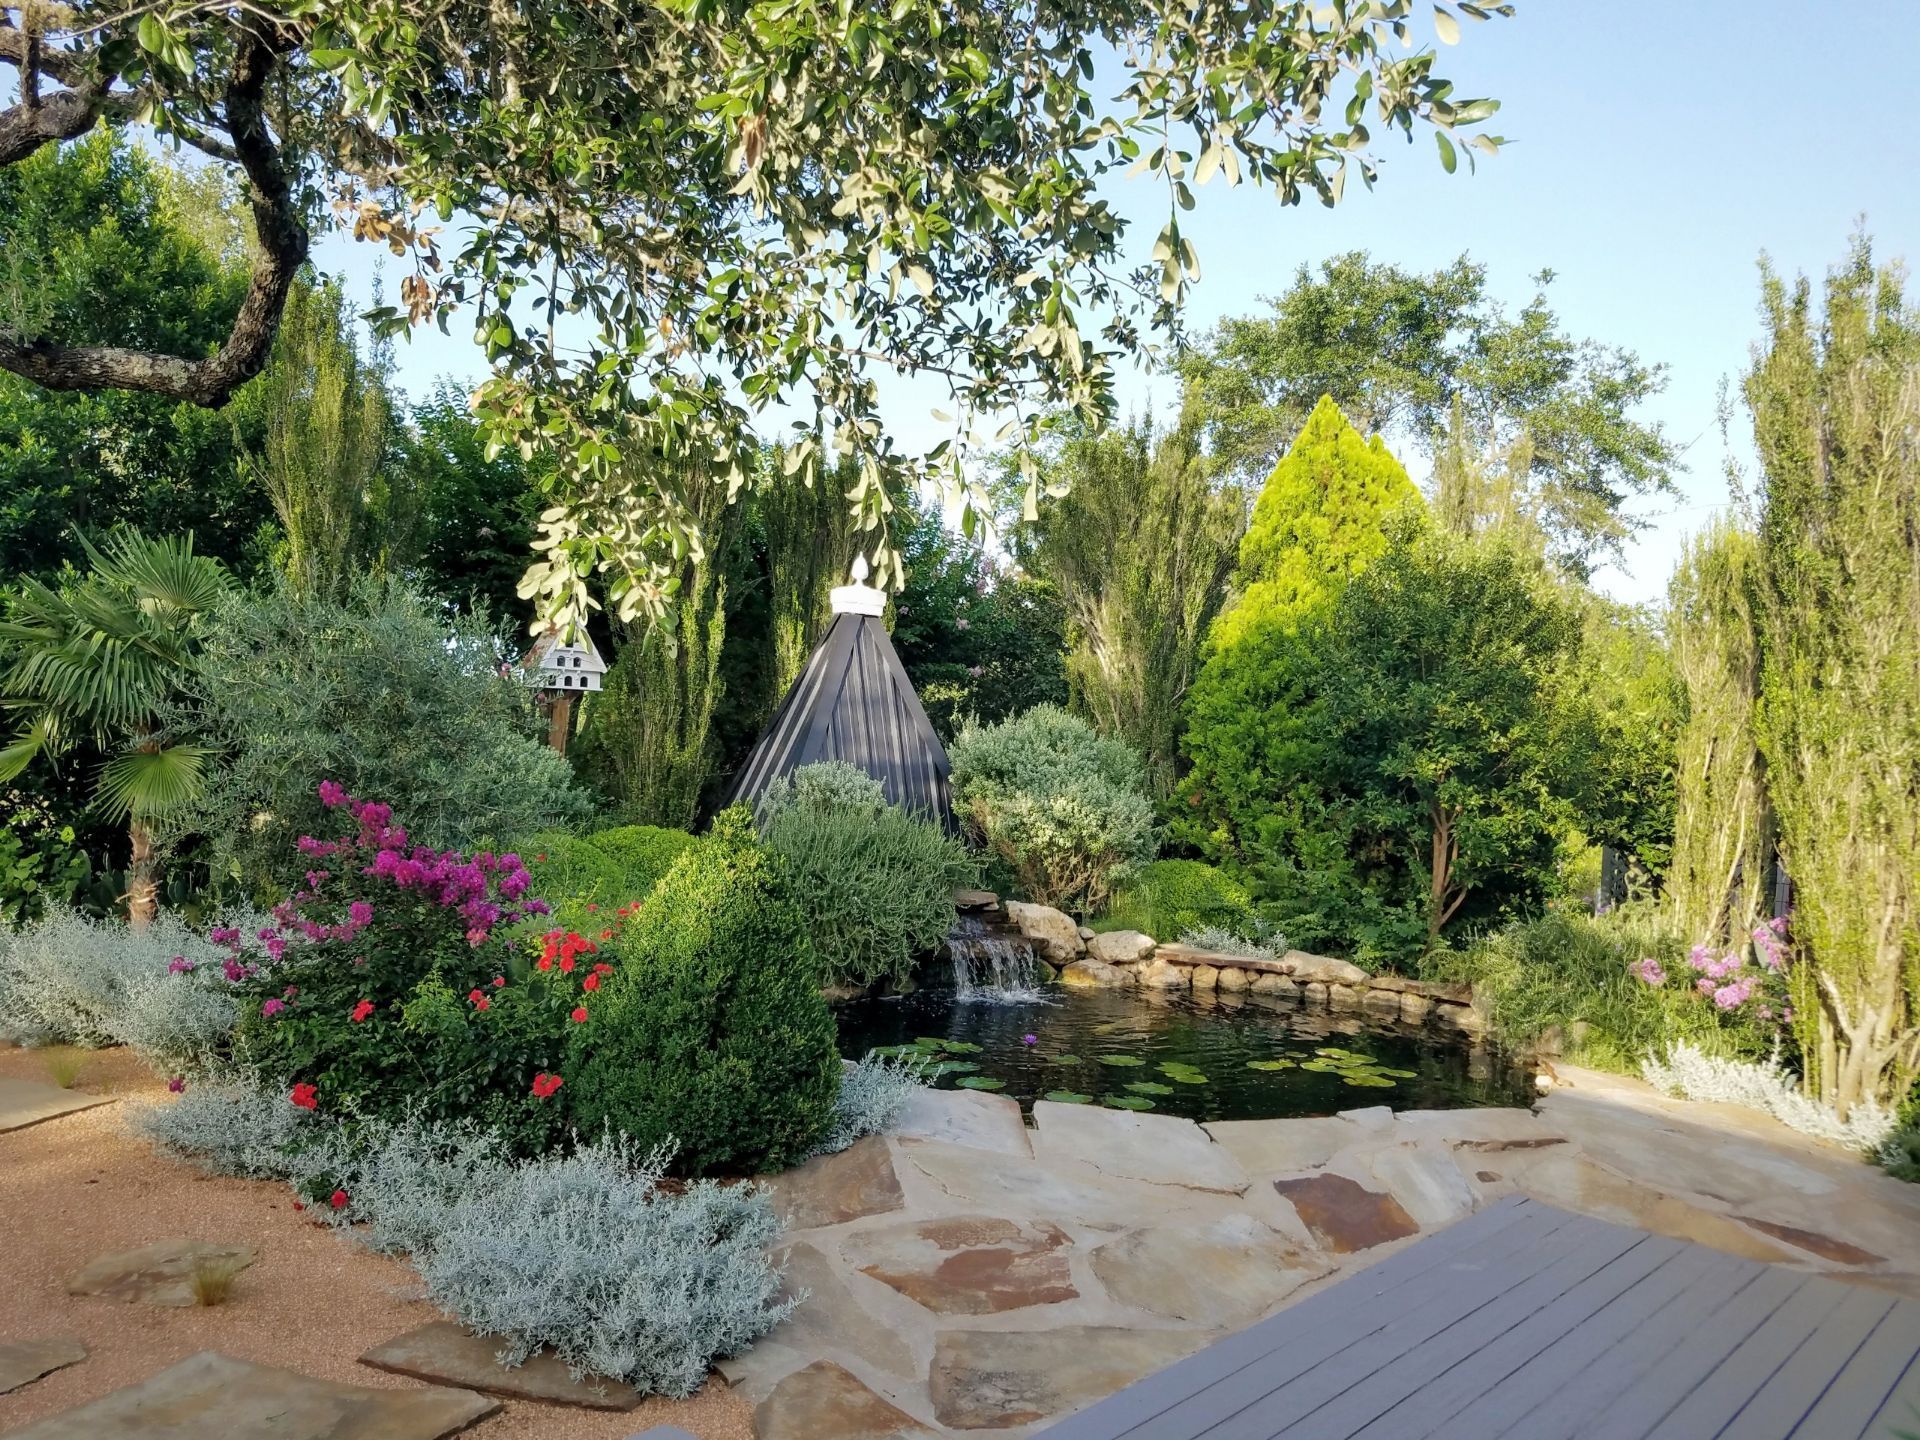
(970, 1273)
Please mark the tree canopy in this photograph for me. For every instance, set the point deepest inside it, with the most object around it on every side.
(672, 215)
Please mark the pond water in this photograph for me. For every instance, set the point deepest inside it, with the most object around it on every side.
(1206, 1057)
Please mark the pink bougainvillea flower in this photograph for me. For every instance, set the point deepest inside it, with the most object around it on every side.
(579, 1015)
(179, 965)
(333, 795)
(592, 982)
(338, 1200)
(362, 1011)
(177, 1084)
(271, 1008)
(479, 999)
(306, 1096)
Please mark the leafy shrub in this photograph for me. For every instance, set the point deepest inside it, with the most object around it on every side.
(67, 979)
(1900, 1154)
(586, 1255)
(643, 852)
(874, 882)
(1567, 966)
(1173, 897)
(1065, 810)
(711, 1031)
(873, 1094)
(565, 867)
(383, 692)
(239, 1125)
(384, 987)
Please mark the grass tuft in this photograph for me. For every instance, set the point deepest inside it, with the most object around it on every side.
(65, 1065)
(212, 1280)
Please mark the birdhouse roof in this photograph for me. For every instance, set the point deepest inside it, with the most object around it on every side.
(549, 654)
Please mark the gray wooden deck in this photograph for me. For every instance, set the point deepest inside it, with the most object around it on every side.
(1527, 1322)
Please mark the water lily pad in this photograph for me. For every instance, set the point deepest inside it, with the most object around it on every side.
(1320, 1067)
(1063, 1059)
(983, 1082)
(1126, 1102)
(952, 1047)
(896, 1052)
(1150, 1087)
(1182, 1073)
(1399, 1074)
(1271, 1064)
(1364, 1078)
(1066, 1097)
(1122, 1062)
(949, 1067)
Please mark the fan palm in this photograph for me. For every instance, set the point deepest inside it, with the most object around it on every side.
(95, 660)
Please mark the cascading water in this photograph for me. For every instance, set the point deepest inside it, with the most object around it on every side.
(994, 965)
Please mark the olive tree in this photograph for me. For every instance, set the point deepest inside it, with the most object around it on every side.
(672, 215)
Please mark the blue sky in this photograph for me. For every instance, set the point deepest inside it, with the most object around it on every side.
(1658, 147)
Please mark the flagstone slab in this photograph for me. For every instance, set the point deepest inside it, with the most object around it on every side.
(825, 1402)
(24, 1361)
(1226, 1274)
(209, 1395)
(969, 1264)
(444, 1353)
(1426, 1183)
(1827, 1247)
(1345, 1215)
(1067, 1193)
(972, 1118)
(28, 1102)
(1492, 1124)
(1283, 1147)
(833, 1189)
(160, 1273)
(994, 1379)
(1158, 1149)
(1575, 1182)
(829, 1319)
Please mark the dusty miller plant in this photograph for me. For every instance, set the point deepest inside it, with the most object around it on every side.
(1692, 1073)
(873, 1095)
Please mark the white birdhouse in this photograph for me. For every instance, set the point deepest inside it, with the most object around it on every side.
(568, 669)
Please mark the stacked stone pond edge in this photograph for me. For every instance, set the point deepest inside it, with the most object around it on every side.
(1121, 958)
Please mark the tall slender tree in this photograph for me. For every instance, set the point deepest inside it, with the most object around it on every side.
(98, 659)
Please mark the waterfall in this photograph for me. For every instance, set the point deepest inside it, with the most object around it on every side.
(992, 964)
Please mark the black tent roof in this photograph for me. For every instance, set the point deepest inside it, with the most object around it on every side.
(854, 702)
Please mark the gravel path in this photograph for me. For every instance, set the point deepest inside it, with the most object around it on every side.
(82, 1185)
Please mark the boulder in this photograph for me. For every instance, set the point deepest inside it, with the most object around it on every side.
(1280, 987)
(1232, 978)
(974, 899)
(1414, 1009)
(1314, 994)
(1382, 1003)
(1053, 935)
(1121, 947)
(1320, 967)
(1159, 975)
(1203, 977)
(1092, 975)
(1343, 997)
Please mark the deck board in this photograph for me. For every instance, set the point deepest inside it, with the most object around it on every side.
(1527, 1322)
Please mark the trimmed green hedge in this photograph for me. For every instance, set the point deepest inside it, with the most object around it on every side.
(643, 852)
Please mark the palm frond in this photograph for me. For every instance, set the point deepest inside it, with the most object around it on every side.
(40, 737)
(169, 581)
(151, 782)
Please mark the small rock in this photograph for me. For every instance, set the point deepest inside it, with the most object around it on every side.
(1159, 975)
(160, 1273)
(1234, 979)
(1203, 977)
(24, 1361)
(1323, 968)
(1343, 997)
(1092, 975)
(974, 899)
(1086, 933)
(1052, 934)
(1121, 947)
(1383, 1003)
(1314, 994)
(1414, 1009)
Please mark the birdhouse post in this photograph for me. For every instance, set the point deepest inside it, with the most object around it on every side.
(561, 672)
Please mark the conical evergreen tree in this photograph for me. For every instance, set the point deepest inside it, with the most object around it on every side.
(1320, 519)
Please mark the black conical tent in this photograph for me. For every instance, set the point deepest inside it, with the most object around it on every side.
(854, 702)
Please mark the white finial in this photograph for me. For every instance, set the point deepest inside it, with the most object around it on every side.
(859, 598)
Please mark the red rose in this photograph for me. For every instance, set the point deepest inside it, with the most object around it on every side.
(603, 968)
(545, 1084)
(579, 1016)
(545, 962)
(592, 982)
(306, 1096)
(499, 982)
(362, 1011)
(338, 1200)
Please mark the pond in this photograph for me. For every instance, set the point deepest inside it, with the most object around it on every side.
(1205, 1057)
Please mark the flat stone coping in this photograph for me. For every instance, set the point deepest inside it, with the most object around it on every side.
(444, 1353)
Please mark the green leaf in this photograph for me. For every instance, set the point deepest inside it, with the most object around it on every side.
(1270, 1064)
(1446, 27)
(1126, 1102)
(1120, 1062)
(1066, 1097)
(983, 1082)
(1449, 161)
(1150, 1087)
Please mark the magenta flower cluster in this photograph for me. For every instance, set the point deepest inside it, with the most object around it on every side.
(1725, 976)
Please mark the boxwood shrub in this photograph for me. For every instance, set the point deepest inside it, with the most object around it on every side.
(710, 1033)
(644, 853)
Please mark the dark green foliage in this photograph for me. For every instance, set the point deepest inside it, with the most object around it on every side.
(1167, 898)
(643, 852)
(566, 867)
(121, 250)
(476, 514)
(711, 1032)
(40, 857)
(874, 882)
